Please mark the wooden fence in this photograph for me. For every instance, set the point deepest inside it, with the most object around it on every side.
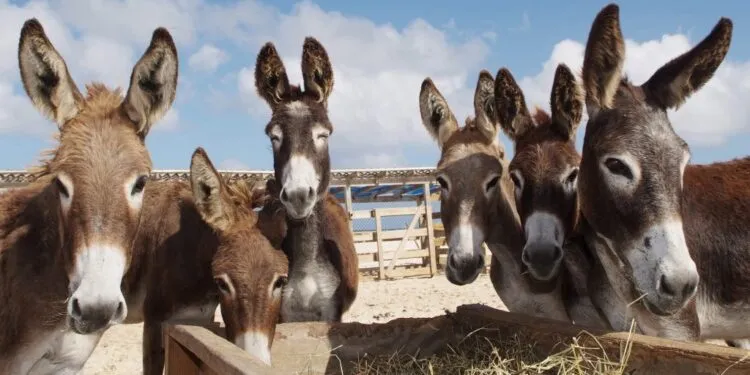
(318, 348)
(418, 250)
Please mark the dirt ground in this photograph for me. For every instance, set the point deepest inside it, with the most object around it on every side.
(119, 351)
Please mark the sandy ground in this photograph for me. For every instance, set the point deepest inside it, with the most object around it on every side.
(119, 351)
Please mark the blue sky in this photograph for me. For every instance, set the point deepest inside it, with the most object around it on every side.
(380, 50)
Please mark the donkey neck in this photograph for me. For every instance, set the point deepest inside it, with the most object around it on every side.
(304, 237)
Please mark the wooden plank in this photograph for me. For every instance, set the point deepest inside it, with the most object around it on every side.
(179, 361)
(399, 211)
(318, 347)
(430, 231)
(379, 239)
(406, 262)
(362, 214)
(214, 353)
(652, 355)
(401, 244)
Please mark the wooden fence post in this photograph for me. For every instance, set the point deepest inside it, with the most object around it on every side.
(430, 230)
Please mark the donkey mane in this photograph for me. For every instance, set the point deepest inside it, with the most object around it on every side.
(99, 100)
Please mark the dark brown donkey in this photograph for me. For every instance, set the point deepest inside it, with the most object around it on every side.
(637, 193)
(323, 264)
(199, 247)
(66, 239)
(476, 202)
(544, 170)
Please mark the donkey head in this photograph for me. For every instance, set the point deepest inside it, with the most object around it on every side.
(475, 186)
(633, 162)
(299, 126)
(100, 167)
(544, 168)
(248, 271)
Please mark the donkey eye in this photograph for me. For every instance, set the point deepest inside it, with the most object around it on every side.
(61, 188)
(617, 167)
(221, 283)
(280, 282)
(140, 183)
(516, 179)
(493, 182)
(275, 138)
(443, 184)
(572, 176)
(323, 136)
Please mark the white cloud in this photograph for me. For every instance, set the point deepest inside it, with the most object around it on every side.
(708, 118)
(208, 58)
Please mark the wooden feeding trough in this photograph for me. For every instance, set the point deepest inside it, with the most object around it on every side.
(320, 348)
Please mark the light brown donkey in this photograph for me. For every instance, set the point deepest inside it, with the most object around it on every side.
(323, 263)
(66, 239)
(477, 204)
(670, 235)
(199, 247)
(544, 170)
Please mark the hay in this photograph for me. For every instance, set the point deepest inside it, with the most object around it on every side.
(491, 354)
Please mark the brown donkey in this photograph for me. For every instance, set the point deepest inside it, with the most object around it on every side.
(323, 264)
(67, 238)
(476, 202)
(637, 193)
(199, 247)
(544, 170)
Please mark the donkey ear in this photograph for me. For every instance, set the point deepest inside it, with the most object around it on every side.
(45, 75)
(153, 83)
(676, 80)
(603, 60)
(317, 71)
(271, 80)
(510, 106)
(437, 117)
(566, 102)
(484, 105)
(208, 189)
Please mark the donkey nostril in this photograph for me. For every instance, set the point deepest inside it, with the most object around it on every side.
(284, 197)
(690, 287)
(310, 192)
(76, 307)
(120, 309)
(525, 257)
(557, 253)
(665, 287)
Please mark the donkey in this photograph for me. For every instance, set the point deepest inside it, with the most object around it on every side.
(544, 171)
(671, 236)
(199, 247)
(66, 239)
(477, 204)
(323, 264)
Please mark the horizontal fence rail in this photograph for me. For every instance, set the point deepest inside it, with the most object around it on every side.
(339, 177)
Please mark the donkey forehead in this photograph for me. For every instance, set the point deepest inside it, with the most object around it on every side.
(639, 129)
(299, 117)
(545, 159)
(111, 150)
(467, 165)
